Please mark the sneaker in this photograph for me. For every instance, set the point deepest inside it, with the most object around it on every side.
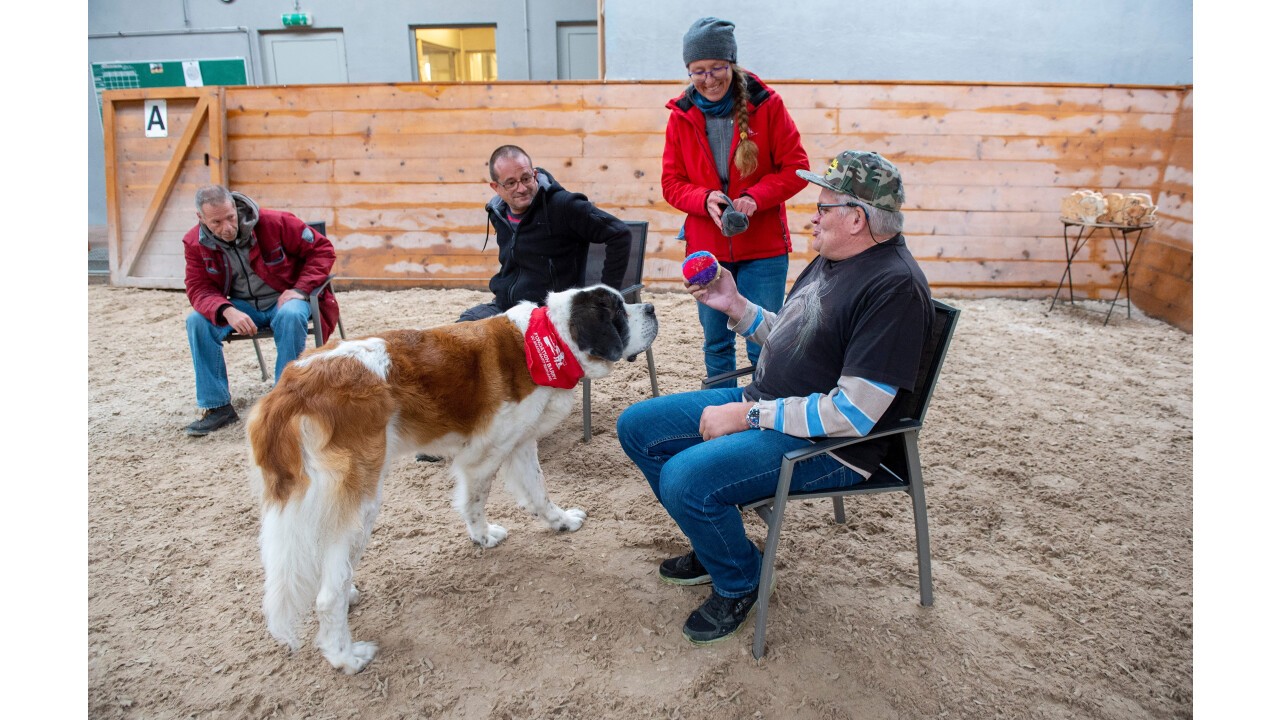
(214, 419)
(423, 457)
(718, 618)
(683, 570)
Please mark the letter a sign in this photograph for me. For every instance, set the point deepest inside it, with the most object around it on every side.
(157, 118)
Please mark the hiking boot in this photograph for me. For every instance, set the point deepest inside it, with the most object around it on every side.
(213, 419)
(718, 618)
(683, 570)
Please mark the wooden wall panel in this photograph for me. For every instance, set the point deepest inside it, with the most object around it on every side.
(398, 172)
(140, 166)
(1161, 273)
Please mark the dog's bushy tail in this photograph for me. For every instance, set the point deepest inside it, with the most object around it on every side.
(291, 565)
(275, 446)
(282, 441)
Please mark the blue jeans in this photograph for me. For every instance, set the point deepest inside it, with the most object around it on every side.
(287, 322)
(763, 282)
(700, 483)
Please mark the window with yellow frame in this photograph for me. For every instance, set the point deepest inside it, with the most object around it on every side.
(456, 53)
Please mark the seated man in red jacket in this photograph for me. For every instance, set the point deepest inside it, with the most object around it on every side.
(248, 268)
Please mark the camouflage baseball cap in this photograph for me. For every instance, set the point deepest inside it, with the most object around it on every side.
(864, 175)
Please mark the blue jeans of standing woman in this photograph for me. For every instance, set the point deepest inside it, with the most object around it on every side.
(763, 282)
(288, 323)
(701, 483)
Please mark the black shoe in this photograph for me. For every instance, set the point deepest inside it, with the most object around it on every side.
(718, 618)
(214, 419)
(423, 457)
(683, 570)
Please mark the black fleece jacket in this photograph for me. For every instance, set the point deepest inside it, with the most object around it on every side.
(547, 250)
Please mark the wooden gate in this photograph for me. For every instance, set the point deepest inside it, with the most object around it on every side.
(146, 218)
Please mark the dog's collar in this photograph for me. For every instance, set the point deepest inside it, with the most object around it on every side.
(550, 362)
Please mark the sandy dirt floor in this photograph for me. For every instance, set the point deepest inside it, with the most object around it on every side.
(1057, 457)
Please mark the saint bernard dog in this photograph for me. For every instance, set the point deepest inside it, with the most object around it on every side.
(481, 393)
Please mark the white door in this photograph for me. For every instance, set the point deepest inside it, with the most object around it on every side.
(577, 51)
(303, 58)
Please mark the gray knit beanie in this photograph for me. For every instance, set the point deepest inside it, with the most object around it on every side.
(710, 39)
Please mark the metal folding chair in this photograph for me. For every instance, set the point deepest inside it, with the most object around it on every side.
(632, 284)
(899, 470)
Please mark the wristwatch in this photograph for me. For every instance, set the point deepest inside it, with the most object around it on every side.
(753, 417)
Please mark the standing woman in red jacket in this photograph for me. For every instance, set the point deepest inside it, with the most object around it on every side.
(732, 148)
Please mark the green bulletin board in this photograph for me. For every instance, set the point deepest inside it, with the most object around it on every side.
(167, 73)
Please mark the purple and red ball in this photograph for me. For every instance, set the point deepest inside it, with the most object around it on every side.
(700, 268)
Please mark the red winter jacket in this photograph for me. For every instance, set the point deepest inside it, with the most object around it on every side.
(689, 175)
(287, 254)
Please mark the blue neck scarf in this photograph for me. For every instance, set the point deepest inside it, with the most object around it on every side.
(720, 108)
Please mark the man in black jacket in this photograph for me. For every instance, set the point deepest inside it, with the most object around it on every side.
(542, 232)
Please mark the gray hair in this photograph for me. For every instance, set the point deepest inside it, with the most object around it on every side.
(212, 195)
(883, 223)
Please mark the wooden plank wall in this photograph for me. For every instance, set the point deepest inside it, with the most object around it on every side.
(398, 170)
(1161, 272)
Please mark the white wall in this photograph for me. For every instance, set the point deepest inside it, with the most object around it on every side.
(1141, 42)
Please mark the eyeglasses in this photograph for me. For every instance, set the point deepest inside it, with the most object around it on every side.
(511, 184)
(705, 75)
(824, 207)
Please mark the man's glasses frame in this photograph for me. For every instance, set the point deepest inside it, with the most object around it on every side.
(866, 213)
(511, 184)
(824, 207)
(704, 75)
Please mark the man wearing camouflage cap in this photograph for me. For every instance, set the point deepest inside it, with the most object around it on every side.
(841, 354)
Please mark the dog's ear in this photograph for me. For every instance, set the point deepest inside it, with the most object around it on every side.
(598, 323)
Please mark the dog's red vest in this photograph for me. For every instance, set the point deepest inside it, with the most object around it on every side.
(550, 362)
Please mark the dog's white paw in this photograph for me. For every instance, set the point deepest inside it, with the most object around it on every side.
(571, 520)
(493, 535)
(353, 595)
(355, 659)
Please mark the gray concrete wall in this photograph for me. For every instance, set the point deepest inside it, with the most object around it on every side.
(376, 35)
(1084, 41)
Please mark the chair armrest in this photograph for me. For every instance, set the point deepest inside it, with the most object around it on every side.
(824, 446)
(708, 381)
(789, 459)
(315, 294)
(314, 298)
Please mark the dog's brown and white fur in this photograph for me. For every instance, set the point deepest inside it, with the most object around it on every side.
(322, 439)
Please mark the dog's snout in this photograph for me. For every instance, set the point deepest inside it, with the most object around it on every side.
(649, 311)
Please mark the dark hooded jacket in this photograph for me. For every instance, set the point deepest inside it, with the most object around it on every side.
(547, 251)
(283, 252)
